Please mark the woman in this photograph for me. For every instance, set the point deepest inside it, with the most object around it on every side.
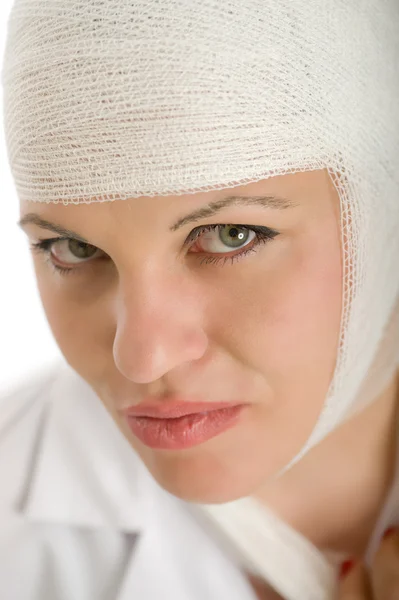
(229, 399)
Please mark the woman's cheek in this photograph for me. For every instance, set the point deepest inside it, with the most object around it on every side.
(75, 318)
(303, 314)
(285, 317)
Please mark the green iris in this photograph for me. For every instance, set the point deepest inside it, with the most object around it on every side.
(233, 236)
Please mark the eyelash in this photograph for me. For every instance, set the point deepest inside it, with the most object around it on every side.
(263, 235)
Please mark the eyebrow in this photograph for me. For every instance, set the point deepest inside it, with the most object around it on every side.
(273, 202)
(270, 202)
(34, 219)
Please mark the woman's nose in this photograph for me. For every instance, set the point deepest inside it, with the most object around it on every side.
(159, 327)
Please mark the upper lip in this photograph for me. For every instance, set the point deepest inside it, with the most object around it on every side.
(173, 409)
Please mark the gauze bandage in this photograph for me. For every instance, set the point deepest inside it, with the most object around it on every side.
(116, 99)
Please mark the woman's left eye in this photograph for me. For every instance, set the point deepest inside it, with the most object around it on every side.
(213, 240)
(217, 240)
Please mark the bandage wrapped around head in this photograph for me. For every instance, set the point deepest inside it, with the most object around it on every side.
(112, 100)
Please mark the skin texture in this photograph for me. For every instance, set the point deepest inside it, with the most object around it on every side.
(146, 316)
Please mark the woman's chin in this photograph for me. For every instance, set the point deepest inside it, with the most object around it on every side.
(200, 482)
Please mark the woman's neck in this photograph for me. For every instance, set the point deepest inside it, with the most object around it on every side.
(334, 495)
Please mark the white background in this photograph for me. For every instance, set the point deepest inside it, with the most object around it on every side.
(26, 341)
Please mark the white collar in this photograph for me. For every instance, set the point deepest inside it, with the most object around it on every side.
(84, 471)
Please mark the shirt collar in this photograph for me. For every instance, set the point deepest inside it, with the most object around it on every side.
(84, 471)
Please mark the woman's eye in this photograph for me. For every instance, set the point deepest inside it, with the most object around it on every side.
(228, 242)
(68, 251)
(226, 238)
(73, 251)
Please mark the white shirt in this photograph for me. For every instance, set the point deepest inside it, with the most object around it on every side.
(80, 516)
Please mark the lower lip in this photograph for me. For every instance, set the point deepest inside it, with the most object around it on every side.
(183, 432)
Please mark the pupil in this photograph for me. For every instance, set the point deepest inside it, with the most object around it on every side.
(233, 236)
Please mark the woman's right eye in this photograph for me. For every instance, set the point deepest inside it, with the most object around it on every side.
(77, 250)
(69, 251)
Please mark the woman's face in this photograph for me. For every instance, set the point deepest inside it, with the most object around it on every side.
(239, 315)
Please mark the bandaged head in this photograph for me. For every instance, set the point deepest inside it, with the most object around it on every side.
(107, 101)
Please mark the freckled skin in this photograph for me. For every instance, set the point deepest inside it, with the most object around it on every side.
(149, 319)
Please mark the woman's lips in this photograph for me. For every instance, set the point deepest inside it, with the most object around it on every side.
(177, 426)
